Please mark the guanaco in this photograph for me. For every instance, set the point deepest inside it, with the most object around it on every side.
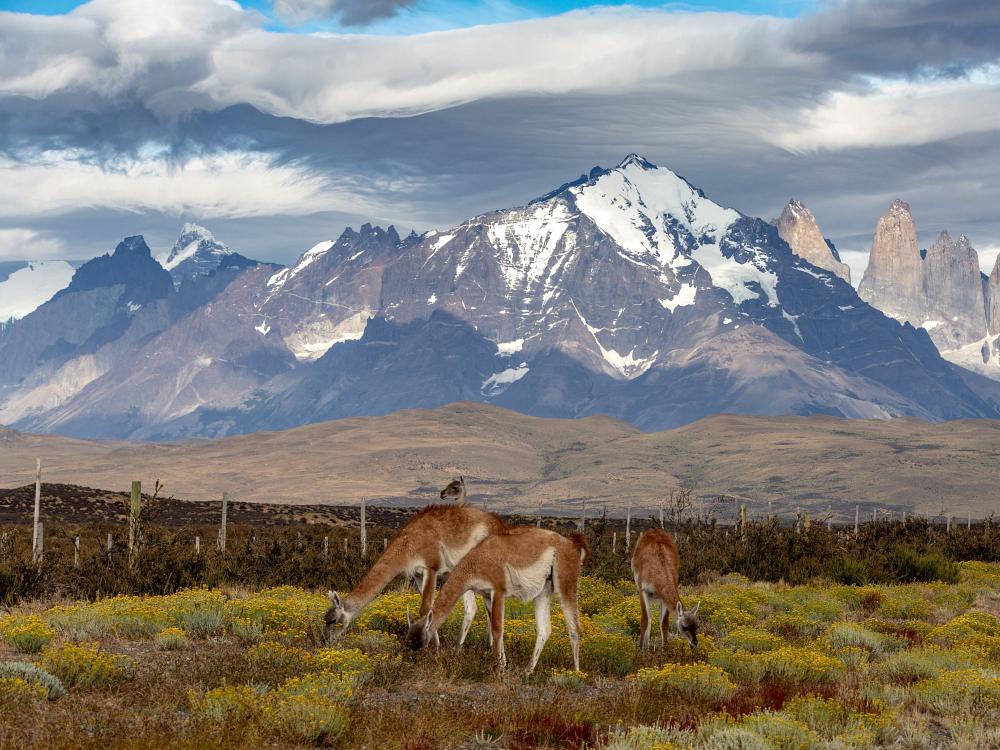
(526, 563)
(455, 491)
(433, 542)
(656, 565)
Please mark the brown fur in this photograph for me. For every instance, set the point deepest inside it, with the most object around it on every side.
(421, 543)
(656, 565)
(497, 567)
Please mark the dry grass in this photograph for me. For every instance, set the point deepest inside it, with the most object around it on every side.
(517, 462)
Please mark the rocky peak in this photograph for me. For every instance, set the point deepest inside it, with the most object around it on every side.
(130, 265)
(953, 293)
(797, 226)
(196, 253)
(992, 292)
(893, 281)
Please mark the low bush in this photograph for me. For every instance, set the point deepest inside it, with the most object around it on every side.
(34, 674)
(699, 684)
(26, 634)
(86, 666)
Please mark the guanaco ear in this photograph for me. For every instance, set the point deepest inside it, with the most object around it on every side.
(461, 479)
(334, 598)
(680, 610)
(695, 610)
(409, 620)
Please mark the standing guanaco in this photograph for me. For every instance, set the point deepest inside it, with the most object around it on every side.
(656, 565)
(526, 563)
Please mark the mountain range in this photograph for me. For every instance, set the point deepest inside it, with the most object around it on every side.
(625, 292)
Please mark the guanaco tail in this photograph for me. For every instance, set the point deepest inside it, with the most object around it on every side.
(656, 565)
(526, 563)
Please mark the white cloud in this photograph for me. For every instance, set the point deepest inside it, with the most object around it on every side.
(897, 113)
(187, 54)
(223, 185)
(988, 257)
(27, 244)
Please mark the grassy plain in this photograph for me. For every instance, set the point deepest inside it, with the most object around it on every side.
(813, 666)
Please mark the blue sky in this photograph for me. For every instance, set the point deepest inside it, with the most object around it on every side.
(134, 116)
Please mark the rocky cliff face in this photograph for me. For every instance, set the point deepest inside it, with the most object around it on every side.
(797, 226)
(627, 292)
(894, 280)
(953, 301)
(940, 290)
(992, 292)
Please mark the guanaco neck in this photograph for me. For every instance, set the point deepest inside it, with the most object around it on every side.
(389, 565)
(461, 495)
(454, 588)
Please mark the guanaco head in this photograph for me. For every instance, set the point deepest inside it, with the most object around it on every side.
(687, 623)
(455, 490)
(418, 632)
(337, 618)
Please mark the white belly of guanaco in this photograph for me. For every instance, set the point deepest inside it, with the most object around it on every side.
(528, 582)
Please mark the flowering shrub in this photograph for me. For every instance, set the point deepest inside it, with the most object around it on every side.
(14, 691)
(608, 653)
(789, 666)
(918, 664)
(567, 678)
(780, 731)
(388, 612)
(831, 719)
(26, 634)
(973, 690)
(86, 665)
(693, 683)
(171, 639)
(32, 673)
(596, 596)
(198, 612)
(845, 634)
(284, 613)
(229, 703)
(754, 640)
(349, 663)
(270, 659)
(308, 719)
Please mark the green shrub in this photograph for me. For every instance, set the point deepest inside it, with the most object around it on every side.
(912, 566)
(33, 673)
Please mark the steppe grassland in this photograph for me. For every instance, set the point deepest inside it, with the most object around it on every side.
(825, 666)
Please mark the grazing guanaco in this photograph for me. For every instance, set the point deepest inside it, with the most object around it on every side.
(526, 563)
(433, 542)
(455, 490)
(656, 565)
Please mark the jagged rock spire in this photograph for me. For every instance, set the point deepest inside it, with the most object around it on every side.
(797, 226)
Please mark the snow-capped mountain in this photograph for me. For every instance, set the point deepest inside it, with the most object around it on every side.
(31, 284)
(626, 292)
(198, 253)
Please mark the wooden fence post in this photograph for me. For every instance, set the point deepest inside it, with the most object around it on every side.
(197, 546)
(614, 542)
(628, 527)
(222, 528)
(948, 527)
(969, 526)
(857, 517)
(76, 552)
(364, 529)
(345, 546)
(36, 552)
(661, 515)
(109, 545)
(385, 543)
(134, 513)
(41, 542)
(326, 546)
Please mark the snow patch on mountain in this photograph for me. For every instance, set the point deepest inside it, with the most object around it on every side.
(734, 277)
(527, 241)
(684, 297)
(312, 341)
(628, 365)
(981, 356)
(499, 382)
(506, 348)
(311, 256)
(28, 288)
